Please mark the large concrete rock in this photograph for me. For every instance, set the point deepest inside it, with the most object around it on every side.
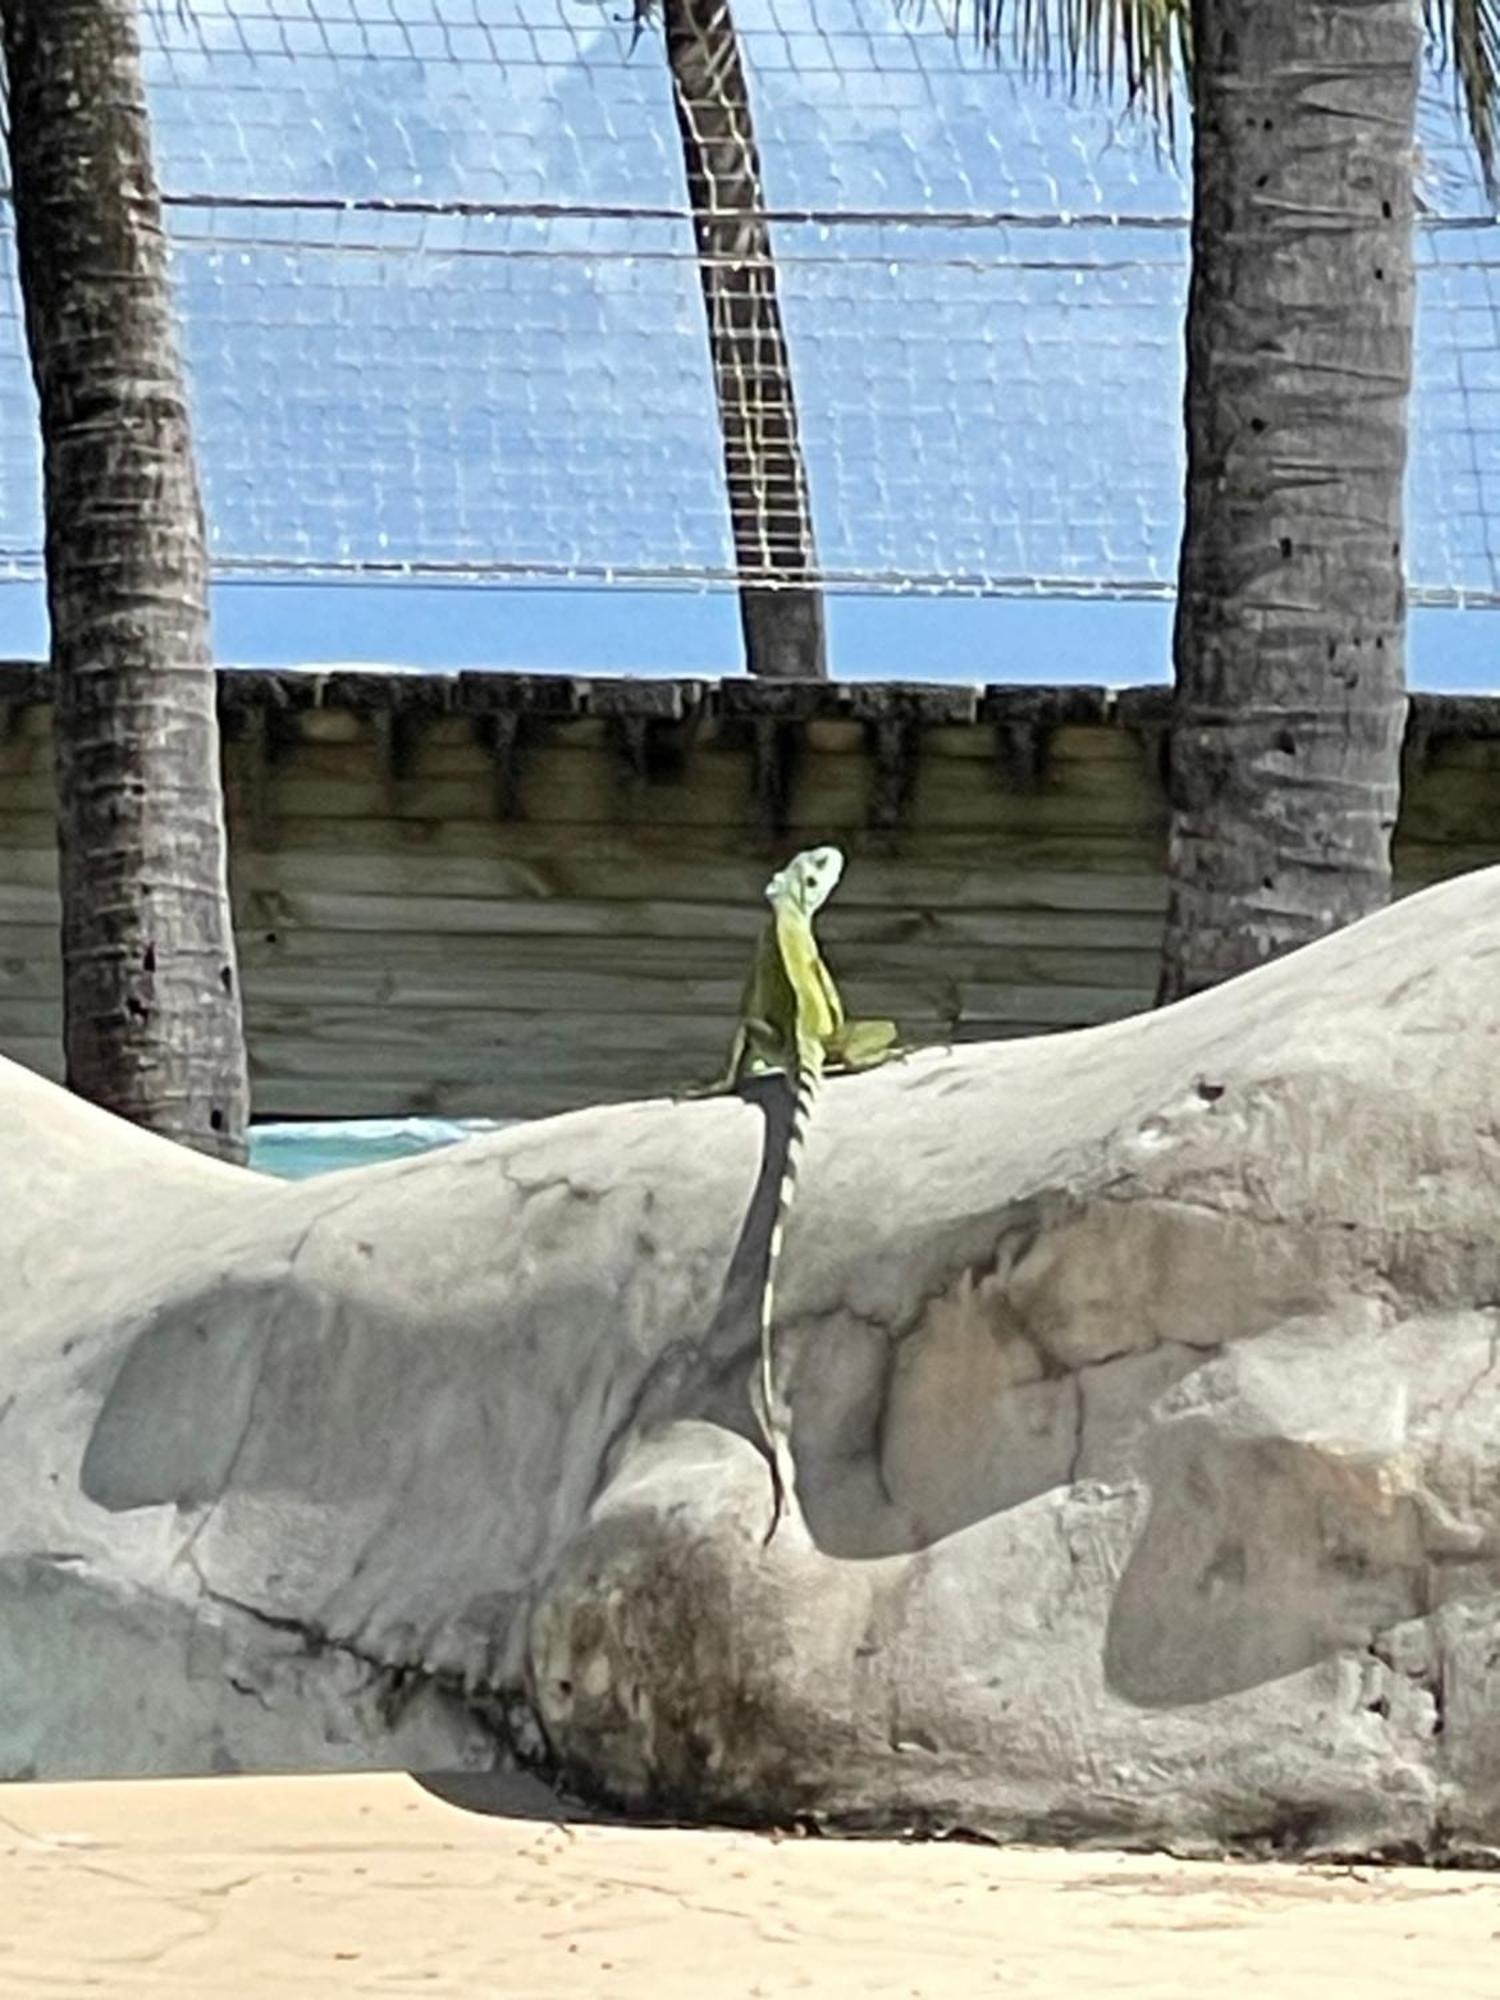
(1146, 1405)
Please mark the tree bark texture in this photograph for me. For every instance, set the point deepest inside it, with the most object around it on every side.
(781, 604)
(1290, 632)
(151, 992)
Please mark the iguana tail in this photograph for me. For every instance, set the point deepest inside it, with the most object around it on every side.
(773, 1419)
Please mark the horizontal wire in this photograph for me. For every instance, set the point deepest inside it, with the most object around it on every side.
(473, 209)
(305, 571)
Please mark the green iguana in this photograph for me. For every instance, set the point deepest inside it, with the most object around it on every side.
(792, 1020)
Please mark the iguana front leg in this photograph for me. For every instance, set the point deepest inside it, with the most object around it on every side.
(751, 1052)
(858, 1045)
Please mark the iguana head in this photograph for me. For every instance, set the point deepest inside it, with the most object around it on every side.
(807, 881)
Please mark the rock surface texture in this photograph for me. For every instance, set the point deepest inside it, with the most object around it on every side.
(1145, 1394)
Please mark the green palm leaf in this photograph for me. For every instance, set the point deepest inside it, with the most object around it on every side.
(1143, 46)
(1465, 38)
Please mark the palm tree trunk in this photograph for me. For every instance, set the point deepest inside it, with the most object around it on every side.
(1290, 634)
(782, 610)
(151, 993)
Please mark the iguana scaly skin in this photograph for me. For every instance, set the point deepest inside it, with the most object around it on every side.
(792, 1020)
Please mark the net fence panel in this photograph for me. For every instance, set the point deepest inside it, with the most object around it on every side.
(442, 311)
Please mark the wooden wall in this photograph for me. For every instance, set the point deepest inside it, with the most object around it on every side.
(508, 894)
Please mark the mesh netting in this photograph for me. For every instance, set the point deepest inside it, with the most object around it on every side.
(442, 308)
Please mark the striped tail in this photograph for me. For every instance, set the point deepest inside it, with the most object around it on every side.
(808, 1077)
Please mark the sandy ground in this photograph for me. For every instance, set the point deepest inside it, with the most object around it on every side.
(310, 1886)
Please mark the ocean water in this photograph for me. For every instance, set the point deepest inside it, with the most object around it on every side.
(295, 1152)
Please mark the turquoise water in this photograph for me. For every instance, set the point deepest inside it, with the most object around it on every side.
(296, 1152)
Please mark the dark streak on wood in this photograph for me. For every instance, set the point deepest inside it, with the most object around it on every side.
(278, 735)
(1024, 721)
(26, 683)
(1021, 754)
(895, 742)
(501, 733)
(255, 741)
(629, 739)
(397, 735)
(774, 748)
(1433, 720)
(1144, 708)
(893, 716)
(1147, 715)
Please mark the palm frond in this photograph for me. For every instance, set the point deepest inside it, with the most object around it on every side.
(1142, 46)
(1464, 37)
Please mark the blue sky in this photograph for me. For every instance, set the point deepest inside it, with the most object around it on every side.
(682, 632)
(500, 402)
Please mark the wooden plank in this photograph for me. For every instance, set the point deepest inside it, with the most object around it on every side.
(645, 866)
(688, 936)
(1454, 753)
(580, 752)
(1419, 864)
(413, 880)
(33, 866)
(23, 831)
(530, 1092)
(1451, 805)
(30, 979)
(30, 941)
(960, 795)
(449, 747)
(839, 738)
(581, 898)
(345, 725)
(871, 985)
(28, 903)
(276, 1096)
(275, 911)
(24, 755)
(275, 1004)
(678, 935)
(498, 1003)
(339, 742)
(43, 1053)
(32, 719)
(1090, 744)
(829, 794)
(486, 1039)
(605, 865)
(721, 865)
(558, 788)
(489, 973)
(31, 995)
(1086, 744)
(355, 1045)
(27, 1020)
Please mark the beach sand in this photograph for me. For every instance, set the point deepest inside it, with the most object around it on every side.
(304, 1887)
